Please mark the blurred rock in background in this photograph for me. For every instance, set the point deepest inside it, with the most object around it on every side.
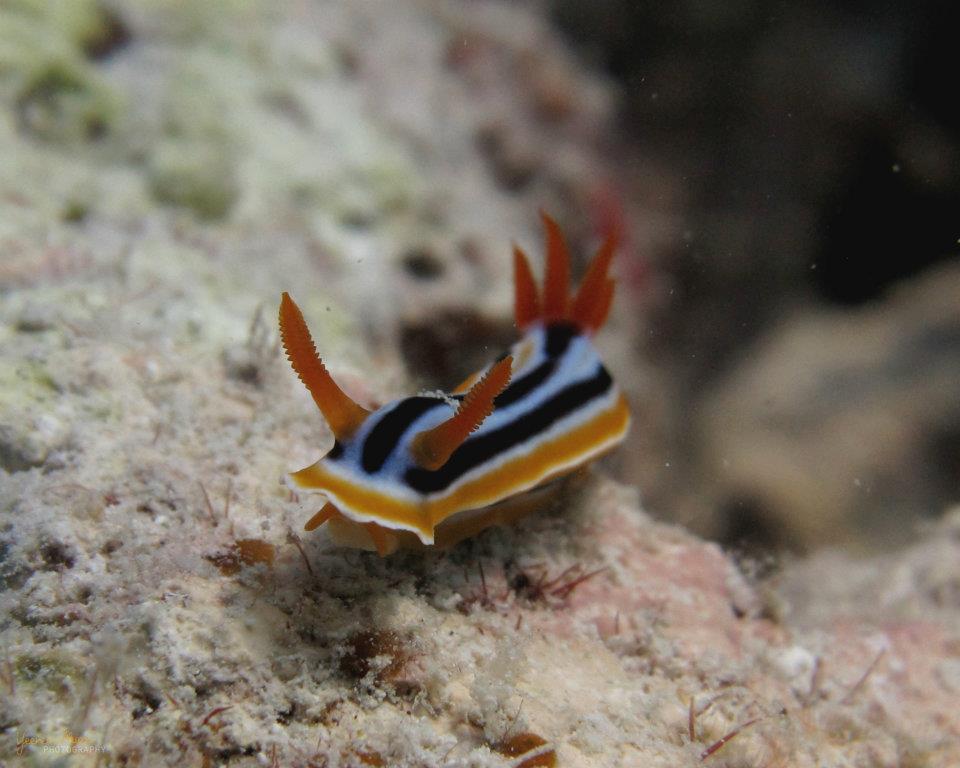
(815, 150)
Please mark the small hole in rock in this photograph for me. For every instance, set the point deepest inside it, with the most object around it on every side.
(109, 36)
(57, 554)
(423, 264)
(749, 533)
(452, 344)
(149, 701)
(111, 546)
(364, 646)
(942, 454)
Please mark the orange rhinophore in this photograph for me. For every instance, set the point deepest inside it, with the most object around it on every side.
(342, 414)
(433, 447)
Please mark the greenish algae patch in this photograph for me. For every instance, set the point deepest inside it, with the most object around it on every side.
(64, 101)
(81, 23)
(58, 96)
(27, 432)
(27, 383)
(193, 163)
(53, 671)
(194, 175)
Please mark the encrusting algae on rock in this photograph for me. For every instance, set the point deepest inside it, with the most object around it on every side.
(158, 607)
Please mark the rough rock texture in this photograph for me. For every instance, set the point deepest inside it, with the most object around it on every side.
(176, 167)
(125, 632)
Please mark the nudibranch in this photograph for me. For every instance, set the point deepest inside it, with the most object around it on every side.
(435, 468)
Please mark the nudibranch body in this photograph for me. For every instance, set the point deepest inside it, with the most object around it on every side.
(435, 468)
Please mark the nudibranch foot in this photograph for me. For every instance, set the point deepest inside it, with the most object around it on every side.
(465, 524)
(321, 517)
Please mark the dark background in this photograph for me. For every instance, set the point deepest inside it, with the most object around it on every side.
(819, 150)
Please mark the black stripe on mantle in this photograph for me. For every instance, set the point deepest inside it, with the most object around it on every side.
(388, 433)
(485, 446)
(383, 438)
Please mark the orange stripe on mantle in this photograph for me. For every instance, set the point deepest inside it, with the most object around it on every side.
(547, 461)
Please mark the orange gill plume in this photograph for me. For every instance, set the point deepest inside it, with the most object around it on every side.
(556, 287)
(588, 310)
(595, 296)
(526, 304)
